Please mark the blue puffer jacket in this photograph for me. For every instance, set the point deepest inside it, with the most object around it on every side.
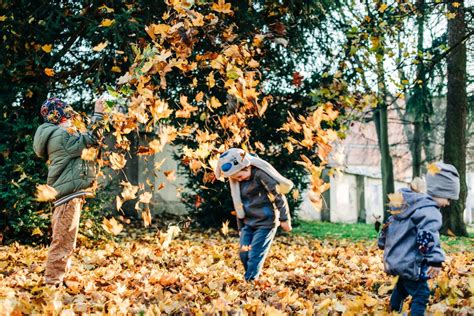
(410, 239)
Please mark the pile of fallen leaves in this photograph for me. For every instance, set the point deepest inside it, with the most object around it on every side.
(173, 272)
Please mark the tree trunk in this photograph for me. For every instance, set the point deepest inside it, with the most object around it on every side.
(456, 115)
(381, 126)
(419, 99)
(388, 186)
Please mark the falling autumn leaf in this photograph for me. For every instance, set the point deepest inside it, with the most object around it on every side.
(45, 193)
(145, 197)
(433, 168)
(225, 228)
(47, 48)
(89, 154)
(129, 191)
(117, 161)
(106, 22)
(297, 79)
(222, 7)
(100, 46)
(170, 175)
(49, 72)
(112, 226)
(396, 200)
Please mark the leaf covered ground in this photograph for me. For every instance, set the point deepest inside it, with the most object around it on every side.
(200, 272)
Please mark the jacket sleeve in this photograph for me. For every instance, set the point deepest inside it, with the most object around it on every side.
(75, 144)
(383, 234)
(279, 200)
(240, 223)
(428, 223)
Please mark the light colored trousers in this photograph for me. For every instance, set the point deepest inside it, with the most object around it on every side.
(65, 224)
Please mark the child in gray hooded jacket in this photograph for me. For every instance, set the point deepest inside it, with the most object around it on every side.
(410, 238)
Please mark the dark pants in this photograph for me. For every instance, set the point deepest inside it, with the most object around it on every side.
(419, 292)
(254, 246)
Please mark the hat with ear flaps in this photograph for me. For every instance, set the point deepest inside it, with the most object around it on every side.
(235, 159)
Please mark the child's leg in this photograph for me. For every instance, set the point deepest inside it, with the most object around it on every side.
(262, 239)
(65, 224)
(246, 236)
(399, 294)
(420, 293)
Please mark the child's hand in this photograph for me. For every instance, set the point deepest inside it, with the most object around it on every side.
(433, 272)
(99, 106)
(286, 226)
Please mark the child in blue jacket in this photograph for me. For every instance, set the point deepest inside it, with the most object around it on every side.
(258, 194)
(410, 238)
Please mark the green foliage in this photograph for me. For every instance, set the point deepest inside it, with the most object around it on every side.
(20, 171)
(37, 35)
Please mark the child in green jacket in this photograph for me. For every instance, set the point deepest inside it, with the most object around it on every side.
(57, 141)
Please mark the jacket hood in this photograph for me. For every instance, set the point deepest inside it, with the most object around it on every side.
(413, 201)
(42, 135)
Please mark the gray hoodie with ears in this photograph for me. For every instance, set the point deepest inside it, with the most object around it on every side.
(410, 239)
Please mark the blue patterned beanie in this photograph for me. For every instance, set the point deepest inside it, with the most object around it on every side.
(54, 110)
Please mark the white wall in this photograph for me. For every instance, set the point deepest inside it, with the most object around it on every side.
(344, 206)
(343, 194)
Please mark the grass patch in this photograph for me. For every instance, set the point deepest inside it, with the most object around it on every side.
(359, 231)
(323, 230)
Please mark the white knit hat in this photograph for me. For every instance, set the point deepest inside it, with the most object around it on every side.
(236, 159)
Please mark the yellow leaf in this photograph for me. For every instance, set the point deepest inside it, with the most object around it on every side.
(146, 216)
(106, 8)
(45, 193)
(37, 232)
(119, 203)
(49, 72)
(456, 4)
(47, 48)
(451, 15)
(296, 194)
(100, 46)
(433, 168)
(145, 197)
(253, 63)
(225, 228)
(112, 226)
(199, 96)
(129, 191)
(106, 22)
(383, 7)
(215, 103)
(211, 82)
(222, 7)
(116, 69)
(117, 161)
(89, 154)
(3, 18)
(396, 199)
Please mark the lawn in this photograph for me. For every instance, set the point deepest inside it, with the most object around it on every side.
(361, 232)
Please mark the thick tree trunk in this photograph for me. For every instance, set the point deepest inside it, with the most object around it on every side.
(456, 114)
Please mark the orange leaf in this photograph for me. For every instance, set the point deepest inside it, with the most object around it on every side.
(49, 72)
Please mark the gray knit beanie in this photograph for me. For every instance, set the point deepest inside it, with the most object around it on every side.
(444, 183)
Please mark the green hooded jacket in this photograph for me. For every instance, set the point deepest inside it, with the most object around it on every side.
(67, 172)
